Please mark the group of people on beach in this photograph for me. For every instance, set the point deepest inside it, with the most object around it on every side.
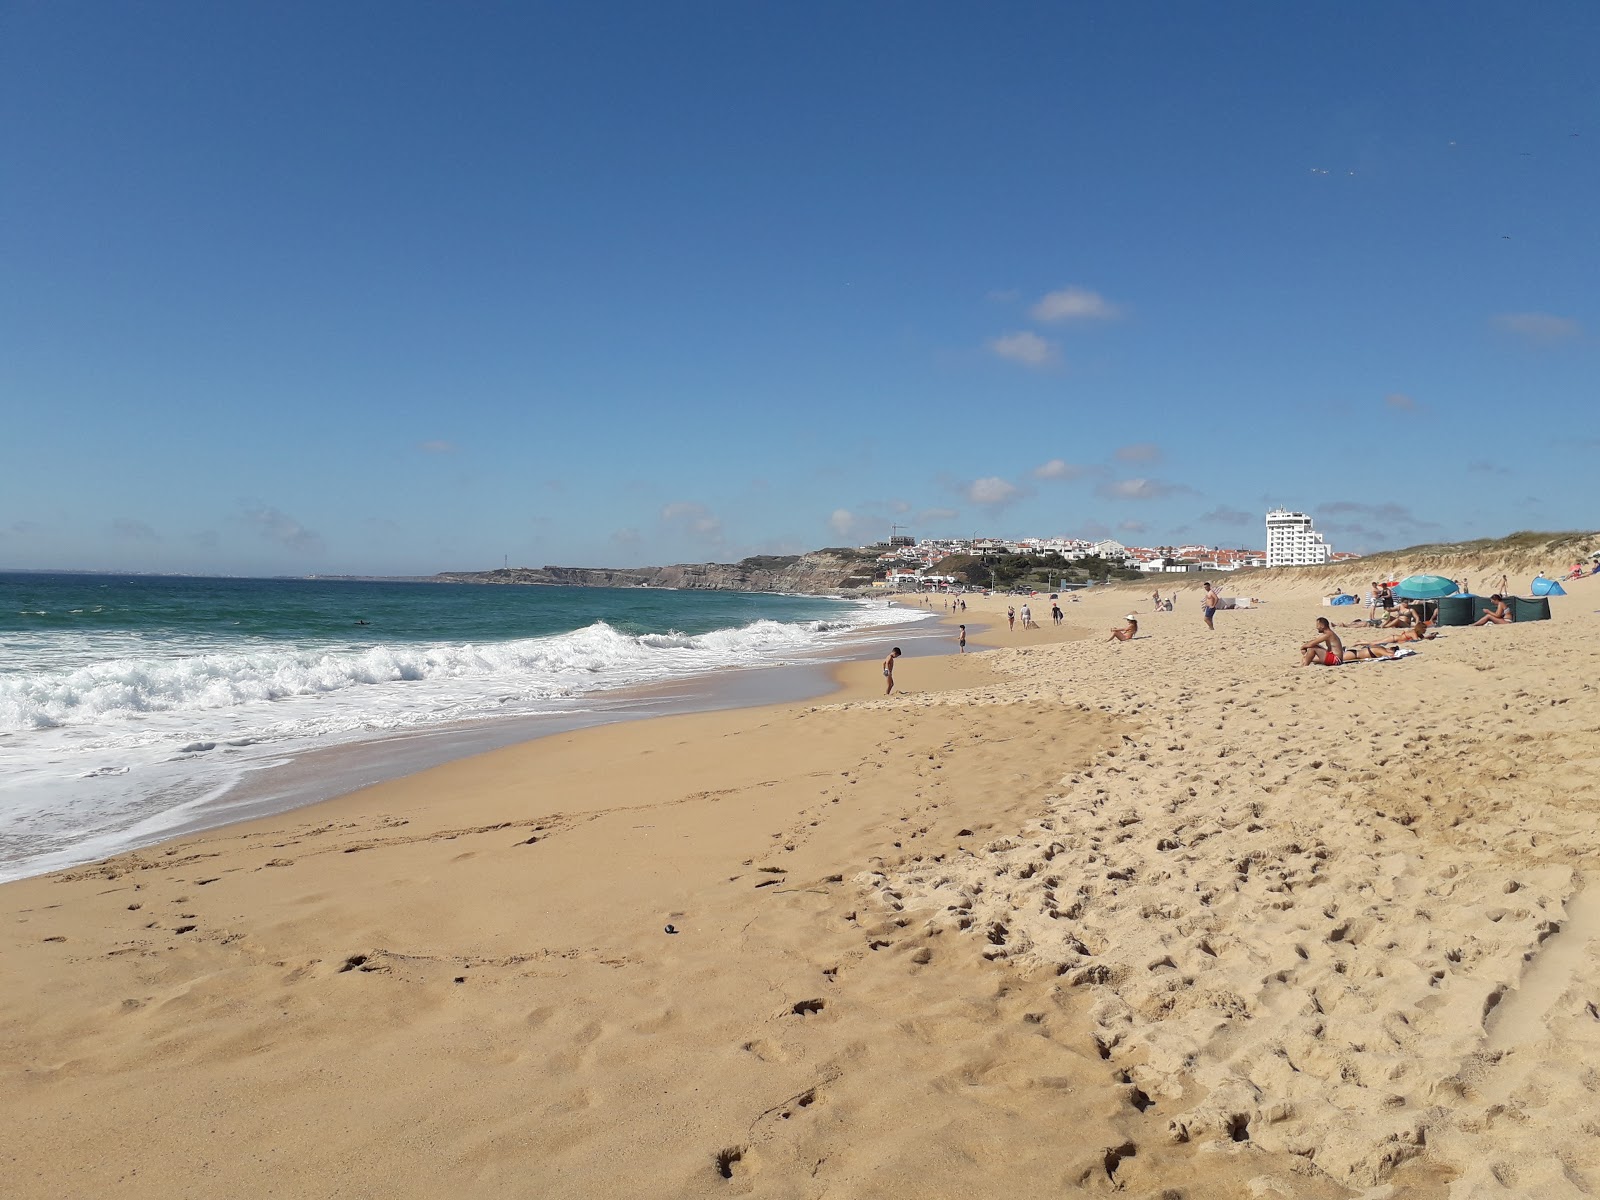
(1210, 602)
(1409, 620)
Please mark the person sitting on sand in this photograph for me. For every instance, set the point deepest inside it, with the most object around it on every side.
(1329, 651)
(1127, 632)
(1400, 618)
(1325, 648)
(1499, 614)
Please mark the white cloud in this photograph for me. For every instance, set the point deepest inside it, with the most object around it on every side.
(991, 492)
(1131, 527)
(1140, 489)
(1024, 347)
(697, 519)
(1543, 328)
(1139, 452)
(1058, 468)
(842, 521)
(437, 446)
(1075, 304)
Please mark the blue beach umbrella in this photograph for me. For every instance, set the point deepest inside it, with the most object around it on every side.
(1425, 587)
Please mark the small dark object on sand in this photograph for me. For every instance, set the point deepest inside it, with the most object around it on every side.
(671, 929)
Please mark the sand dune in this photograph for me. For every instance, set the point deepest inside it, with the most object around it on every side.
(1173, 917)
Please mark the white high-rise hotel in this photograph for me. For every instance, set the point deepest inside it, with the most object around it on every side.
(1291, 542)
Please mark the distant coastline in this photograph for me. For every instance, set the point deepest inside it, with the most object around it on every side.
(820, 573)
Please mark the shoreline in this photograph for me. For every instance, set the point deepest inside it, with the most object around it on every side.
(1245, 928)
(305, 777)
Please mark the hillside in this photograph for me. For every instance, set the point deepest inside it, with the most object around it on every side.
(819, 572)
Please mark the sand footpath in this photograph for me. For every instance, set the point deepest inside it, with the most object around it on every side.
(1174, 917)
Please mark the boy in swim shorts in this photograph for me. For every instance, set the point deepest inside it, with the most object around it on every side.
(888, 669)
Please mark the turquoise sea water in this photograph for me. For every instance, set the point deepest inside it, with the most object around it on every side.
(125, 700)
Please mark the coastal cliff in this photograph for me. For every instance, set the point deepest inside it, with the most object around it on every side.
(818, 573)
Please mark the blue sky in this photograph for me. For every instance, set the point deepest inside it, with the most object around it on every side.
(399, 288)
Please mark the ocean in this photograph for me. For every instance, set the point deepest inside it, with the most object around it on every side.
(135, 707)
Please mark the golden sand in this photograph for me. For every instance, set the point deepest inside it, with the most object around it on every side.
(1174, 917)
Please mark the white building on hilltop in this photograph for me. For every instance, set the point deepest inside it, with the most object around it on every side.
(1291, 542)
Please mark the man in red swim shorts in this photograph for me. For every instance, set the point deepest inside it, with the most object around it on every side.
(1326, 646)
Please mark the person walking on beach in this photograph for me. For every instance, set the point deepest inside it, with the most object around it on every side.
(961, 640)
(1208, 604)
(1056, 614)
(1027, 618)
(1011, 618)
(888, 670)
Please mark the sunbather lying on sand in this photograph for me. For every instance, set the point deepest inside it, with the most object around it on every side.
(1417, 631)
(1327, 650)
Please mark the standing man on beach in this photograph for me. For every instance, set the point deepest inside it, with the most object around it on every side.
(1027, 618)
(1209, 603)
(961, 639)
(888, 669)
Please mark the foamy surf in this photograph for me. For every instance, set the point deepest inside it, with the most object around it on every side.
(111, 737)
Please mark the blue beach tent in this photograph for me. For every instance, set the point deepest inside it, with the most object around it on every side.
(1546, 587)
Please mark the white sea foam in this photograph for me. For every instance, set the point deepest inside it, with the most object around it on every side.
(107, 734)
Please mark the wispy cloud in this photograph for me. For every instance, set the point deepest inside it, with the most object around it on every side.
(1539, 328)
(275, 525)
(991, 492)
(1074, 304)
(128, 530)
(1026, 348)
(627, 538)
(1141, 489)
(1227, 516)
(930, 516)
(1394, 516)
(1058, 468)
(694, 519)
(1401, 402)
(1131, 527)
(1003, 296)
(1483, 466)
(438, 446)
(1139, 452)
(842, 522)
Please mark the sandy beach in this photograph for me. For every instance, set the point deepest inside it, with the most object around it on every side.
(1174, 917)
